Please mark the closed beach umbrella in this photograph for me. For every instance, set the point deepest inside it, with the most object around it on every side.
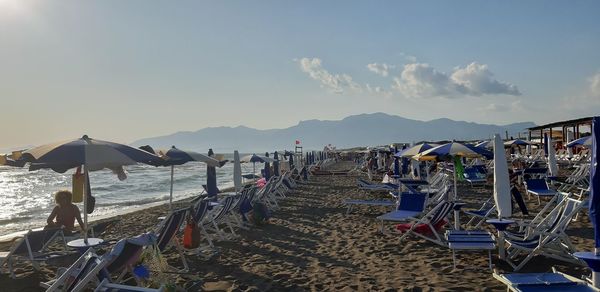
(174, 156)
(211, 178)
(552, 164)
(396, 163)
(90, 153)
(501, 180)
(237, 171)
(291, 161)
(276, 164)
(267, 168)
(546, 144)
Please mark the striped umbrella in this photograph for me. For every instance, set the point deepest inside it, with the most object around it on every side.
(414, 150)
(174, 156)
(90, 153)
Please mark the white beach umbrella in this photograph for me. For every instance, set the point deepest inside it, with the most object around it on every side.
(501, 180)
(237, 171)
(552, 164)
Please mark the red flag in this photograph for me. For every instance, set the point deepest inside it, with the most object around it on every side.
(297, 142)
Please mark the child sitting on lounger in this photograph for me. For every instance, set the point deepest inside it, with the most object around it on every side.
(65, 212)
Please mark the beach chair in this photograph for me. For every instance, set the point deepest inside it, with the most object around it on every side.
(107, 286)
(479, 216)
(199, 213)
(410, 205)
(77, 277)
(218, 216)
(474, 176)
(32, 247)
(550, 241)
(539, 188)
(167, 231)
(370, 186)
(429, 225)
(470, 240)
(555, 281)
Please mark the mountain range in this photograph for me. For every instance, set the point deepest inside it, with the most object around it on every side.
(352, 131)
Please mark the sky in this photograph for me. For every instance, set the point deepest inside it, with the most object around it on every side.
(125, 70)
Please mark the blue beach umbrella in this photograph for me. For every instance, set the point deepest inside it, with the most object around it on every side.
(90, 153)
(267, 168)
(254, 159)
(211, 178)
(174, 156)
(276, 164)
(585, 141)
(593, 258)
(484, 144)
(517, 142)
(414, 150)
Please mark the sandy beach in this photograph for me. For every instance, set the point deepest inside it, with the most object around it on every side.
(312, 245)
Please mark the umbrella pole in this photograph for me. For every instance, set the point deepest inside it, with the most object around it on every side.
(171, 192)
(456, 212)
(85, 202)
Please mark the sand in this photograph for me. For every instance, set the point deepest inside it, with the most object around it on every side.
(312, 245)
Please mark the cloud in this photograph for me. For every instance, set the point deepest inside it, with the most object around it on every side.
(408, 57)
(382, 69)
(479, 80)
(337, 83)
(594, 85)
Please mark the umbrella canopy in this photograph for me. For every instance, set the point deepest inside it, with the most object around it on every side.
(276, 164)
(256, 158)
(445, 151)
(175, 156)
(552, 164)
(501, 180)
(94, 154)
(414, 150)
(518, 142)
(585, 141)
(484, 144)
(237, 171)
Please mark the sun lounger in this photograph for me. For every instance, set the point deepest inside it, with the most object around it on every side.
(473, 176)
(167, 231)
(530, 282)
(430, 224)
(539, 188)
(32, 247)
(470, 240)
(410, 205)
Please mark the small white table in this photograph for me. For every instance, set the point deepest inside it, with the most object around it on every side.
(83, 245)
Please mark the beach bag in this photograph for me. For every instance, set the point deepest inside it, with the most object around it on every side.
(260, 214)
(78, 185)
(191, 235)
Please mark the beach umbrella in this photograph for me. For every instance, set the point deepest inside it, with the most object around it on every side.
(552, 164)
(414, 150)
(267, 175)
(237, 171)
(546, 144)
(585, 141)
(276, 164)
(484, 144)
(593, 258)
(501, 180)
(449, 151)
(174, 156)
(211, 178)
(254, 159)
(517, 142)
(396, 163)
(291, 160)
(90, 153)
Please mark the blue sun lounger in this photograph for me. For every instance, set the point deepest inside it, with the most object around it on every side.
(470, 240)
(530, 282)
(410, 206)
(539, 188)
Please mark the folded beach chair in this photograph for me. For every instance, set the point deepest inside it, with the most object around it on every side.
(429, 225)
(410, 205)
(551, 241)
(555, 281)
(32, 247)
(539, 188)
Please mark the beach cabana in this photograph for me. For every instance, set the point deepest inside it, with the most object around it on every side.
(90, 153)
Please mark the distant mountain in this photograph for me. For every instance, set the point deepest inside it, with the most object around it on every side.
(358, 130)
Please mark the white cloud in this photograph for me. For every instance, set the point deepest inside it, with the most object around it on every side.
(422, 80)
(382, 69)
(408, 57)
(337, 83)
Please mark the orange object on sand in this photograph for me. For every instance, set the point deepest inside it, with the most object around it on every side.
(421, 228)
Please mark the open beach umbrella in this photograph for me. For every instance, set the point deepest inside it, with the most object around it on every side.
(501, 180)
(552, 164)
(237, 171)
(267, 175)
(518, 142)
(90, 153)
(414, 150)
(211, 178)
(449, 151)
(254, 159)
(585, 141)
(484, 144)
(276, 164)
(593, 258)
(174, 156)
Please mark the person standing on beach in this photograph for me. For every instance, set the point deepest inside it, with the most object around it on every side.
(65, 213)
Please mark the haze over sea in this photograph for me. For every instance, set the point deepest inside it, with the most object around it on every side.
(26, 198)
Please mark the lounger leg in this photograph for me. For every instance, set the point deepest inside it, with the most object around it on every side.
(453, 260)
(490, 258)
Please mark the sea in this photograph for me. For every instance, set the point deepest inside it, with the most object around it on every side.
(27, 197)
